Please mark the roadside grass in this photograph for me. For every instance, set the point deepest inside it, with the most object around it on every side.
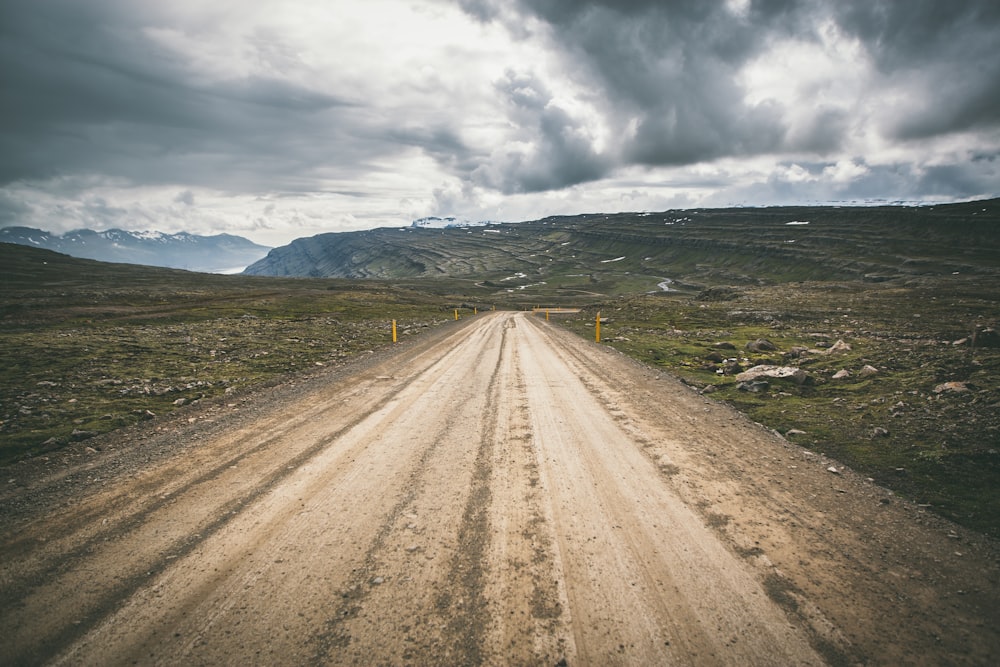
(86, 348)
(936, 446)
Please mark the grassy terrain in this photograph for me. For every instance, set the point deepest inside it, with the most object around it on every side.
(897, 423)
(87, 347)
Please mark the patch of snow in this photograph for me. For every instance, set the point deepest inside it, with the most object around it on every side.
(665, 284)
(608, 261)
(434, 222)
(149, 235)
(798, 222)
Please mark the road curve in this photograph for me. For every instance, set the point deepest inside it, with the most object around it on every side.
(502, 494)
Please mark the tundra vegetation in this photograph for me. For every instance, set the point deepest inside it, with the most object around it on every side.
(88, 347)
(889, 314)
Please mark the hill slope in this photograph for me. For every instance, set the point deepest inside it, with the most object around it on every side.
(629, 252)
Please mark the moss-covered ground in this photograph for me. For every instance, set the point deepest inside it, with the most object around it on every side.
(86, 347)
(897, 421)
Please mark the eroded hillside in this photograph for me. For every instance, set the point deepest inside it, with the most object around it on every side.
(579, 256)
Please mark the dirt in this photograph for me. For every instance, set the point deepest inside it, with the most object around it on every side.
(496, 492)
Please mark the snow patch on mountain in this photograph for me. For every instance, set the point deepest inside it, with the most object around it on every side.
(434, 222)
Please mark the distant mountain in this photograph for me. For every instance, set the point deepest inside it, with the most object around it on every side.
(629, 252)
(222, 253)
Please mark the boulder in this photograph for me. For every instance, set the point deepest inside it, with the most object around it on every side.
(796, 375)
(754, 387)
(842, 374)
(868, 371)
(951, 387)
(724, 346)
(839, 347)
(761, 345)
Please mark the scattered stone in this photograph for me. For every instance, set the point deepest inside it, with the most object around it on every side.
(761, 345)
(951, 387)
(796, 352)
(715, 356)
(795, 431)
(833, 469)
(378, 581)
(797, 375)
(180, 401)
(724, 345)
(753, 387)
(868, 371)
(879, 432)
(89, 450)
(842, 374)
(839, 347)
(77, 434)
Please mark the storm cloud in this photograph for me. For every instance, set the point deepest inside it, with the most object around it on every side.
(294, 117)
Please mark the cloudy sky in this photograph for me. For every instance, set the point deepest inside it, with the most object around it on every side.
(276, 119)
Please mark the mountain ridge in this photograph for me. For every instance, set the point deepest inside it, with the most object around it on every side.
(219, 253)
(634, 252)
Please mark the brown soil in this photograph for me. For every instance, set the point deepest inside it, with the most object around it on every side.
(497, 492)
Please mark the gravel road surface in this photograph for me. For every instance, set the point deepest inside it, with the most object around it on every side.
(495, 492)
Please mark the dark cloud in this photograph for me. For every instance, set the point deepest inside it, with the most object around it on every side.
(87, 91)
(669, 72)
(946, 51)
(553, 150)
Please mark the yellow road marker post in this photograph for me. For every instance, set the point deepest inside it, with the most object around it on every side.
(597, 328)
(394, 331)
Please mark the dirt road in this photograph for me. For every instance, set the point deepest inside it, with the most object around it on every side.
(500, 492)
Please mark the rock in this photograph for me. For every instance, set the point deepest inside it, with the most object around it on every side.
(868, 371)
(715, 356)
(951, 387)
(839, 347)
(842, 374)
(794, 431)
(988, 337)
(761, 345)
(180, 401)
(796, 352)
(753, 387)
(833, 469)
(879, 432)
(796, 375)
(723, 345)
